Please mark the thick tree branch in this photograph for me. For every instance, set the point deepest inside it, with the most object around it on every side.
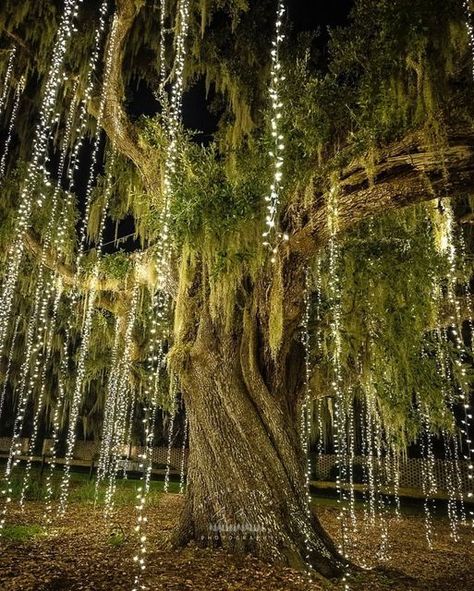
(109, 297)
(144, 273)
(405, 174)
(115, 122)
(16, 39)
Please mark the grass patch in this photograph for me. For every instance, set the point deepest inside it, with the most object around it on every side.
(83, 490)
(22, 533)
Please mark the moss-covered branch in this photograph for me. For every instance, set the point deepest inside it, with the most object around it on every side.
(121, 131)
(406, 173)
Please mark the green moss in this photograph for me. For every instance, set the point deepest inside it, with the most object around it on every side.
(275, 320)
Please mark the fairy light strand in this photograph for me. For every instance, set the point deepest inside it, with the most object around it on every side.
(120, 406)
(173, 412)
(23, 397)
(173, 118)
(448, 248)
(48, 337)
(340, 443)
(160, 303)
(80, 373)
(182, 477)
(52, 294)
(146, 460)
(112, 47)
(306, 415)
(6, 147)
(470, 30)
(161, 92)
(272, 234)
(6, 80)
(109, 408)
(429, 485)
(318, 341)
(63, 372)
(37, 167)
(84, 349)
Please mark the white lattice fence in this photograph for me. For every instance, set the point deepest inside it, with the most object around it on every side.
(5, 443)
(410, 470)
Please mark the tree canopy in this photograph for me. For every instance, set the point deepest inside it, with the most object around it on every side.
(375, 131)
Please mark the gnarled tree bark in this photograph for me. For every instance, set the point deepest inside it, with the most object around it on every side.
(246, 469)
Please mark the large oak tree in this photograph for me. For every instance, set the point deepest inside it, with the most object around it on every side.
(386, 123)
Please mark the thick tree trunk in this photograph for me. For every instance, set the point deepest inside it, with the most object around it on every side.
(246, 469)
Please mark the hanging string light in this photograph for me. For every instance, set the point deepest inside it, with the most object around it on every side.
(160, 300)
(318, 343)
(76, 399)
(456, 510)
(470, 29)
(429, 484)
(146, 461)
(375, 442)
(6, 80)
(109, 408)
(80, 374)
(453, 514)
(6, 147)
(48, 338)
(182, 477)
(173, 121)
(51, 294)
(351, 443)
(84, 348)
(159, 309)
(132, 396)
(162, 96)
(121, 399)
(23, 393)
(172, 417)
(272, 235)
(63, 372)
(368, 453)
(381, 505)
(336, 387)
(37, 167)
(466, 422)
(306, 415)
(98, 135)
(81, 129)
(74, 166)
(393, 462)
(447, 246)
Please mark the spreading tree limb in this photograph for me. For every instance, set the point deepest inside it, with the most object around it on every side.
(406, 173)
(115, 121)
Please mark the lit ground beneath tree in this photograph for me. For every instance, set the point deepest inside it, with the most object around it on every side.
(82, 553)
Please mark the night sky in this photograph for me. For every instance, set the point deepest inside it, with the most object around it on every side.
(303, 15)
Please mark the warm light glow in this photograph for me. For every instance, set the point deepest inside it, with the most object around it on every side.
(272, 234)
(6, 147)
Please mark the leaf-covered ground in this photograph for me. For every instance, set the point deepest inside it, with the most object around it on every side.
(80, 553)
